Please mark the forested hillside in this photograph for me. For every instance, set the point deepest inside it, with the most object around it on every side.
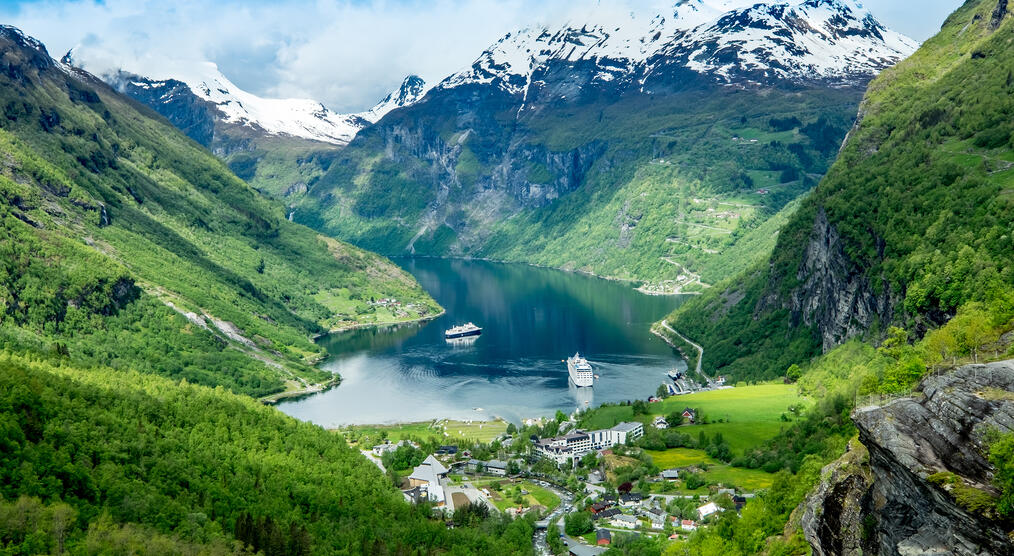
(126, 244)
(912, 222)
(100, 462)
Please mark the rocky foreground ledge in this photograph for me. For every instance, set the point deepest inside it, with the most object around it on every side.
(904, 487)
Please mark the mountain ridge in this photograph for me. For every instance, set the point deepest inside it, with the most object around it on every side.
(559, 147)
(886, 239)
(294, 117)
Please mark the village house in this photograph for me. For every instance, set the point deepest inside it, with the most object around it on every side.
(380, 449)
(657, 517)
(625, 521)
(708, 509)
(739, 501)
(690, 415)
(688, 525)
(608, 514)
(429, 476)
(599, 507)
(496, 467)
(631, 499)
(670, 474)
(660, 423)
(603, 537)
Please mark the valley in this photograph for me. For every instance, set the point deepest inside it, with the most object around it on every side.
(780, 233)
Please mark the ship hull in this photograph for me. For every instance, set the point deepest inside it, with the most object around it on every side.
(451, 336)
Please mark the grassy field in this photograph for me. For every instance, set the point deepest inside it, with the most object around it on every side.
(679, 457)
(605, 417)
(537, 496)
(751, 415)
(747, 480)
(482, 431)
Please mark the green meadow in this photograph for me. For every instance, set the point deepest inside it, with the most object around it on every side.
(749, 415)
(443, 429)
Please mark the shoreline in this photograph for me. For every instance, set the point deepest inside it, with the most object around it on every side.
(629, 281)
(309, 390)
(336, 379)
(363, 325)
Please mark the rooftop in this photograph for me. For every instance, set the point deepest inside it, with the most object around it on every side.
(627, 426)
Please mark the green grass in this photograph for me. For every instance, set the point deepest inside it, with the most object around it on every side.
(747, 480)
(481, 431)
(752, 414)
(606, 417)
(543, 496)
(679, 457)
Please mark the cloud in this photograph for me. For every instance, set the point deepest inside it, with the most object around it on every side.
(346, 53)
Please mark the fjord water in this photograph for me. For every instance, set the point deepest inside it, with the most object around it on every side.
(532, 319)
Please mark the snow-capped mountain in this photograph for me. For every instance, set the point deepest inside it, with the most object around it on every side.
(728, 41)
(412, 89)
(303, 118)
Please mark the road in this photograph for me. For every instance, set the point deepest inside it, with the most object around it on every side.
(700, 350)
(369, 455)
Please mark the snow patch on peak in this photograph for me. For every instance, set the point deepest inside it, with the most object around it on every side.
(797, 39)
(412, 89)
(296, 117)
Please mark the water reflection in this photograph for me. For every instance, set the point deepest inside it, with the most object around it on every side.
(532, 319)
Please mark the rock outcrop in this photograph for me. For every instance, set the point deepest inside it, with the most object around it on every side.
(893, 502)
(834, 295)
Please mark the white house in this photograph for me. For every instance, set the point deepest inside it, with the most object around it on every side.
(708, 509)
(660, 423)
(380, 449)
(625, 521)
(496, 467)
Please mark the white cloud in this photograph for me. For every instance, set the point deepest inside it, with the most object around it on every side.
(345, 53)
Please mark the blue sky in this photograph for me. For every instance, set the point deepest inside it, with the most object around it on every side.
(346, 53)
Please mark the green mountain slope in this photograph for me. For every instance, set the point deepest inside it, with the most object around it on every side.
(633, 187)
(126, 244)
(913, 221)
(110, 462)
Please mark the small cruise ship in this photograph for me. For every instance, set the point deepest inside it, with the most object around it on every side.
(675, 374)
(581, 373)
(467, 329)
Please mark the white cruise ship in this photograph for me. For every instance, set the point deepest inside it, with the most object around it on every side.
(581, 373)
(465, 330)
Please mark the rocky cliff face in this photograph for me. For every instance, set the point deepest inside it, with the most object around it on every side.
(833, 294)
(893, 501)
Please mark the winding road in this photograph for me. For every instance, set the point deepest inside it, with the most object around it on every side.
(700, 350)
